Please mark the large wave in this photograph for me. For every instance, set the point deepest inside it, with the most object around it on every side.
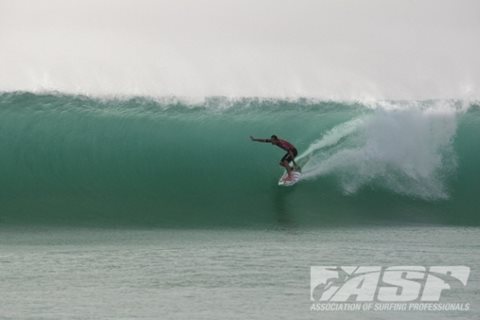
(78, 160)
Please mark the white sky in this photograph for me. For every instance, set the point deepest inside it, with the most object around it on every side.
(340, 49)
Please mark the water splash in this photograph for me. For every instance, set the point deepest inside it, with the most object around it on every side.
(408, 151)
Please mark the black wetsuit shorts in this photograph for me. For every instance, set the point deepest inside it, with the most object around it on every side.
(288, 157)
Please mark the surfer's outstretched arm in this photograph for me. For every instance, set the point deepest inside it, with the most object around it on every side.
(260, 140)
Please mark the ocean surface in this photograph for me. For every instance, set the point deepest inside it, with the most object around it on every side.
(64, 273)
(162, 208)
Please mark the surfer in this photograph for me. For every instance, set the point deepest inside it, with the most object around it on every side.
(285, 145)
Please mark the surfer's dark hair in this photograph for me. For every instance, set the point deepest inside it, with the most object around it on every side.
(273, 137)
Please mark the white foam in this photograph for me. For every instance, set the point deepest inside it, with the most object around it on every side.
(407, 150)
(332, 137)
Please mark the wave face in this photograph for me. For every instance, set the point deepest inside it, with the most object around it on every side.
(75, 160)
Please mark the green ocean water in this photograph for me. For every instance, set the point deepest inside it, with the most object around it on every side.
(171, 163)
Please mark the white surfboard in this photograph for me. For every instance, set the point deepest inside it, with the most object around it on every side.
(296, 175)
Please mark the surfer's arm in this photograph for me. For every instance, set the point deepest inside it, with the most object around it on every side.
(260, 140)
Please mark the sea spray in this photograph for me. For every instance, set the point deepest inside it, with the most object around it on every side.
(408, 151)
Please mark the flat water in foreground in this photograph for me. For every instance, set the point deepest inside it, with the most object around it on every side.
(213, 274)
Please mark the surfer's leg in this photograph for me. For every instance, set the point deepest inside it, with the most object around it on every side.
(291, 159)
(288, 168)
(285, 162)
(295, 165)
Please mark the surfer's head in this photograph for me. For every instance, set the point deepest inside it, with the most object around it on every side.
(274, 138)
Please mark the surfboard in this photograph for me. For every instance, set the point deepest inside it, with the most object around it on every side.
(296, 175)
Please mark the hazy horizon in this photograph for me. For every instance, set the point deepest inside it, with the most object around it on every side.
(330, 49)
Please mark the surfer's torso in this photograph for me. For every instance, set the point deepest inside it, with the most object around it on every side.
(285, 145)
